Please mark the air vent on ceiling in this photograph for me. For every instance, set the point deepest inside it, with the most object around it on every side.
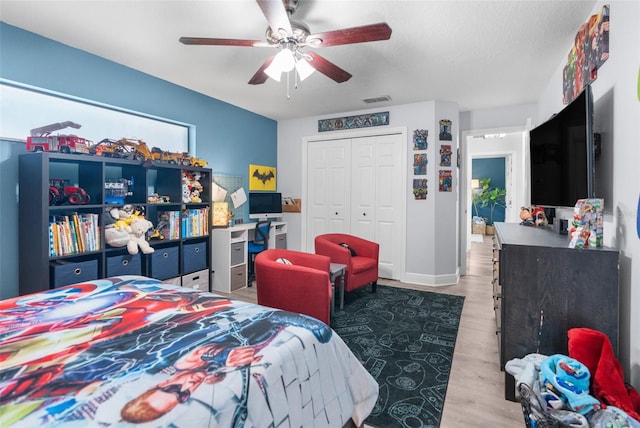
(377, 99)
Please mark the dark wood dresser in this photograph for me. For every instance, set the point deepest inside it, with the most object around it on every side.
(542, 288)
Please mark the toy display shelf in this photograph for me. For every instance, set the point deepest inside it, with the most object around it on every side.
(85, 188)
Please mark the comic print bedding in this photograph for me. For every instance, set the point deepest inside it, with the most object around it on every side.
(131, 351)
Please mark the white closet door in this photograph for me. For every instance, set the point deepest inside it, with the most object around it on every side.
(363, 184)
(377, 197)
(328, 177)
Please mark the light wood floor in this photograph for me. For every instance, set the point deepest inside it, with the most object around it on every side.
(475, 395)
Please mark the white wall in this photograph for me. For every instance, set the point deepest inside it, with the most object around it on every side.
(501, 117)
(618, 78)
(431, 224)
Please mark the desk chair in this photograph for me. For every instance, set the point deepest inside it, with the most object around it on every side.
(259, 244)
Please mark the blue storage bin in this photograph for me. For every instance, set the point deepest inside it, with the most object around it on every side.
(164, 263)
(194, 257)
(128, 264)
(68, 272)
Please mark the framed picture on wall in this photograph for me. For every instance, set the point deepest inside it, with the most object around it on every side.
(262, 178)
(420, 164)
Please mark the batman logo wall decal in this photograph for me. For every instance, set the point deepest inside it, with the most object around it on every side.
(264, 177)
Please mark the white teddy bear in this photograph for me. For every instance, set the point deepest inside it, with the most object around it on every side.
(137, 236)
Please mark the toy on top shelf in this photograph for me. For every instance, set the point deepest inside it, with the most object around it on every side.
(189, 160)
(158, 154)
(113, 148)
(141, 151)
(61, 192)
(40, 139)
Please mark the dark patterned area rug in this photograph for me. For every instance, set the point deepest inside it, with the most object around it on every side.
(405, 339)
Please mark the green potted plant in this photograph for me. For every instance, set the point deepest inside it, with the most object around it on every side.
(489, 196)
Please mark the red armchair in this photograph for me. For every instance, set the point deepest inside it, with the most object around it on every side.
(302, 286)
(362, 269)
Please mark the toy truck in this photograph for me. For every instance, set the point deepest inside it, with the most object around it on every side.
(41, 139)
(112, 148)
(189, 160)
(158, 154)
(61, 192)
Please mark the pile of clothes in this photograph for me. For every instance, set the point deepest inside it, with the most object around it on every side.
(585, 389)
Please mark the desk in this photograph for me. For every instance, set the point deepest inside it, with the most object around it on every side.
(337, 270)
(229, 253)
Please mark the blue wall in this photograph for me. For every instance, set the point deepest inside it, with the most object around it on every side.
(493, 168)
(228, 137)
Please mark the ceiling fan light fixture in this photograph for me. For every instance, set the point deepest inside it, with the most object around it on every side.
(273, 71)
(304, 69)
(284, 60)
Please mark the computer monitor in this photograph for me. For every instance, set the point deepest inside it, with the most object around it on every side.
(264, 205)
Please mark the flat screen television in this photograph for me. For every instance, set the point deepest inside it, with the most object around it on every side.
(264, 205)
(562, 154)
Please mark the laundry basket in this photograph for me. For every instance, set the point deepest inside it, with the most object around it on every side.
(534, 414)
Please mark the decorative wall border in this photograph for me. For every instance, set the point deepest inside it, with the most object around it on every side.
(354, 122)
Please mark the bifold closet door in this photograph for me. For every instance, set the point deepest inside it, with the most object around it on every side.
(355, 186)
(376, 197)
(329, 189)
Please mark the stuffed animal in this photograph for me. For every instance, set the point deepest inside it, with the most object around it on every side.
(194, 187)
(137, 236)
(526, 216)
(123, 216)
(115, 222)
(195, 196)
(186, 191)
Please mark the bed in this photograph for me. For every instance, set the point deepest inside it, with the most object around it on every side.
(131, 351)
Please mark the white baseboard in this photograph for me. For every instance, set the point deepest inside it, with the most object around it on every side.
(431, 280)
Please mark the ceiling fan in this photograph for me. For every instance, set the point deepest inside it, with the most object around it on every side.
(290, 37)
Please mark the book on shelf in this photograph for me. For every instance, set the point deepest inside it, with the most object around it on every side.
(195, 222)
(73, 234)
(169, 224)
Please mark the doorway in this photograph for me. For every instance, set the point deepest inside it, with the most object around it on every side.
(493, 169)
(508, 143)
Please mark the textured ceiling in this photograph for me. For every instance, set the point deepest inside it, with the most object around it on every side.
(479, 54)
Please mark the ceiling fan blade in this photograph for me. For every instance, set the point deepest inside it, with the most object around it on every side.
(222, 42)
(365, 33)
(260, 77)
(276, 15)
(328, 68)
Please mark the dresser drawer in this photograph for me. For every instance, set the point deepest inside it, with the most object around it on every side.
(281, 240)
(237, 253)
(238, 277)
